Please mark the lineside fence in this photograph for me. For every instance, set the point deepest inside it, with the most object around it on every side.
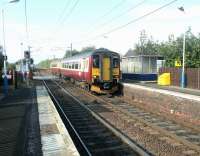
(192, 76)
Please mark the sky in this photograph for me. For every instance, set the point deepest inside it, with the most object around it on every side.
(54, 24)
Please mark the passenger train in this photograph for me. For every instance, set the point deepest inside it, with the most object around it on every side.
(98, 70)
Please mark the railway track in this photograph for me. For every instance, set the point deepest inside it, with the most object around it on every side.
(90, 133)
(188, 136)
(186, 139)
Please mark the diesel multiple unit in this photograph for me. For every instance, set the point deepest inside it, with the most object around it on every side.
(97, 70)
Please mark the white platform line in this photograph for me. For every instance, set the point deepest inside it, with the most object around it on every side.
(162, 91)
(54, 142)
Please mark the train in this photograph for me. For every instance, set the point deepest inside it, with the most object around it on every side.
(97, 71)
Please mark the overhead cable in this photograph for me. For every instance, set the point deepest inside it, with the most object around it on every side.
(70, 12)
(120, 15)
(63, 11)
(131, 22)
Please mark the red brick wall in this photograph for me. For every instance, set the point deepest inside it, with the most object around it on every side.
(184, 110)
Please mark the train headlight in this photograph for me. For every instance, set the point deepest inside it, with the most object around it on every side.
(95, 76)
(115, 76)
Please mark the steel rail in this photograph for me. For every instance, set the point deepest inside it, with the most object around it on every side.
(136, 147)
(67, 119)
(159, 128)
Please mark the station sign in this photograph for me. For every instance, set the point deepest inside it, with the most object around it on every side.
(178, 63)
(27, 54)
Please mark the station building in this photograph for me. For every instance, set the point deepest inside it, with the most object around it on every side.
(140, 67)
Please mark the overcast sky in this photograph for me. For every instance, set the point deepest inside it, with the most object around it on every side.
(54, 24)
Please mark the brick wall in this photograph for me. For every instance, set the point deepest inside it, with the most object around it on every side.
(184, 110)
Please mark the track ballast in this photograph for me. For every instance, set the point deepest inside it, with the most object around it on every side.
(89, 135)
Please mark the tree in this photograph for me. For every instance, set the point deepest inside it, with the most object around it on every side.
(147, 48)
(172, 49)
(44, 64)
(70, 53)
(86, 49)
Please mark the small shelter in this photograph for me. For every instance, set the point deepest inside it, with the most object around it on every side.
(144, 67)
(140, 64)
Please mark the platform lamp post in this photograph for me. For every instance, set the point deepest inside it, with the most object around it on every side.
(183, 64)
(4, 50)
(70, 49)
(27, 42)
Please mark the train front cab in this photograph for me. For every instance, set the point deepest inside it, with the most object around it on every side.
(105, 72)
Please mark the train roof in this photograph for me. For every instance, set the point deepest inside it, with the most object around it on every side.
(89, 53)
(56, 61)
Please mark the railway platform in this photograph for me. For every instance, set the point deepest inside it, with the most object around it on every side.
(189, 91)
(30, 125)
(185, 93)
(178, 103)
(54, 136)
(19, 130)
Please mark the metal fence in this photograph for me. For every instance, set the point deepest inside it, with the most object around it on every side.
(192, 76)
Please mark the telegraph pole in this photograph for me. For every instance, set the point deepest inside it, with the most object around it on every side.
(183, 64)
(143, 38)
(4, 49)
(27, 42)
(5, 57)
(71, 48)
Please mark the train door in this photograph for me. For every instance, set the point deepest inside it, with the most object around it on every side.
(85, 68)
(106, 68)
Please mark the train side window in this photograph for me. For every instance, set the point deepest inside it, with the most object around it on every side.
(76, 66)
(70, 66)
(115, 62)
(53, 65)
(86, 65)
(73, 65)
(67, 65)
(96, 61)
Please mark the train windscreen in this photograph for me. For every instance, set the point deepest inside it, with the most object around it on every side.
(96, 61)
(115, 62)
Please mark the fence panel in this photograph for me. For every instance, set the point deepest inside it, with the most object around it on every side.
(192, 76)
(174, 75)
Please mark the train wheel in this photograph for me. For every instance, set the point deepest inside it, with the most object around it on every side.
(87, 87)
(72, 80)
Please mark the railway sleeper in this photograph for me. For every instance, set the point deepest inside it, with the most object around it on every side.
(111, 149)
(111, 141)
(100, 130)
(98, 136)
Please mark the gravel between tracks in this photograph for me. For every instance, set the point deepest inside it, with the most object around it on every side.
(152, 140)
(98, 139)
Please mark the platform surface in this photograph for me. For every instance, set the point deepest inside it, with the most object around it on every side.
(189, 94)
(172, 88)
(56, 140)
(16, 134)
